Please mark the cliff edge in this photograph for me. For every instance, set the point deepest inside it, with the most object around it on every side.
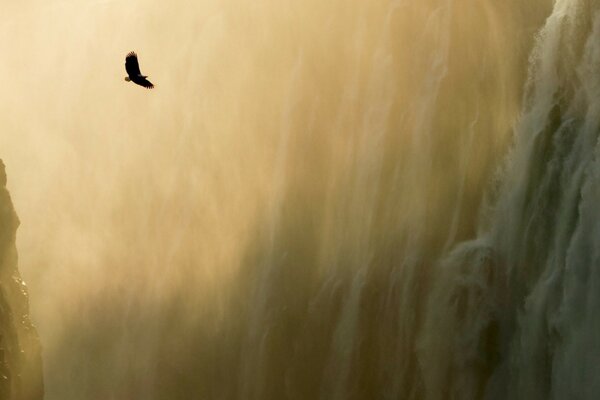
(20, 355)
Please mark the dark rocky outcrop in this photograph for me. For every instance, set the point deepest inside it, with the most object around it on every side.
(20, 358)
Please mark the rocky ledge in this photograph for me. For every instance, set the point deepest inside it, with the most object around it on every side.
(20, 356)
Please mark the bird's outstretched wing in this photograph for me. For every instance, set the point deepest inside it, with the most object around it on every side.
(143, 82)
(131, 65)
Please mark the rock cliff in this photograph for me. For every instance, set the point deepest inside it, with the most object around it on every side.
(20, 358)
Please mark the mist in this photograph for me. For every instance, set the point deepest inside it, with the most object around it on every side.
(317, 200)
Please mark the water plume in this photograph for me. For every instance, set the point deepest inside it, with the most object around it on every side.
(326, 200)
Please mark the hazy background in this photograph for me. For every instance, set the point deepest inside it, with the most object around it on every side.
(263, 224)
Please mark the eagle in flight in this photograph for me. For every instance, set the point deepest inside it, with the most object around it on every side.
(133, 70)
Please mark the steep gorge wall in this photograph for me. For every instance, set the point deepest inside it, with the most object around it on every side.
(20, 358)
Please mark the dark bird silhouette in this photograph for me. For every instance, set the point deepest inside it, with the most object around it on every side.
(133, 70)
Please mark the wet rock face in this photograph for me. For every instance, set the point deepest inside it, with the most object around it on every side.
(20, 359)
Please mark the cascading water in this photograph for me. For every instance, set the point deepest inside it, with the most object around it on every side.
(517, 304)
(334, 200)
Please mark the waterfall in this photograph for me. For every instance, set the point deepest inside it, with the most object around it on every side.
(517, 304)
(338, 200)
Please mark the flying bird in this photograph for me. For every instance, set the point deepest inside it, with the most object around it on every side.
(133, 70)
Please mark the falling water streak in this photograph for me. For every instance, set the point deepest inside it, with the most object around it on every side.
(438, 22)
(407, 276)
(251, 383)
(346, 331)
(366, 188)
(463, 170)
